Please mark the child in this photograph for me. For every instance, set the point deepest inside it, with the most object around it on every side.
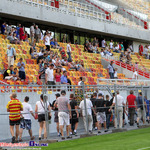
(116, 74)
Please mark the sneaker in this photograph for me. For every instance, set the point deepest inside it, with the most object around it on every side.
(39, 138)
(69, 137)
(32, 138)
(20, 140)
(95, 128)
(90, 132)
(75, 133)
(13, 139)
(16, 141)
(148, 121)
(63, 138)
(99, 132)
(106, 131)
(138, 125)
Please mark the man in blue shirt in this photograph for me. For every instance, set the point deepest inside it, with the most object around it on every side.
(110, 69)
(52, 43)
(140, 110)
(10, 54)
(21, 66)
(18, 28)
(64, 79)
(3, 28)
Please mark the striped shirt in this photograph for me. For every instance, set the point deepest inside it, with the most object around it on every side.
(14, 106)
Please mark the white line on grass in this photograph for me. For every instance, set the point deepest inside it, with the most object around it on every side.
(143, 148)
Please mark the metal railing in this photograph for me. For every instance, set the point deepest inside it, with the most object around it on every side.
(85, 11)
(81, 93)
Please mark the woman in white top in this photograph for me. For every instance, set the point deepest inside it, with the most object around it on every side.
(47, 41)
(40, 108)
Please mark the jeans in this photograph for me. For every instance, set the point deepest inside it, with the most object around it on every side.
(69, 57)
(111, 75)
(131, 115)
(108, 120)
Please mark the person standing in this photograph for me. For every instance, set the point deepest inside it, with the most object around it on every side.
(49, 75)
(110, 69)
(26, 119)
(3, 28)
(11, 52)
(135, 76)
(140, 109)
(57, 76)
(74, 115)
(21, 33)
(69, 51)
(42, 73)
(108, 103)
(37, 34)
(47, 41)
(103, 43)
(32, 33)
(55, 108)
(111, 44)
(118, 103)
(89, 107)
(131, 103)
(18, 29)
(64, 111)
(40, 108)
(14, 116)
(147, 108)
(93, 100)
(101, 116)
(21, 67)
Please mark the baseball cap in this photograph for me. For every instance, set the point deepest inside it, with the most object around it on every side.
(58, 95)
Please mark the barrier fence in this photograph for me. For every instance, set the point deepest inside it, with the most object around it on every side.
(117, 116)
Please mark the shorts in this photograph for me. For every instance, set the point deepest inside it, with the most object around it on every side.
(63, 118)
(56, 117)
(74, 118)
(22, 75)
(25, 124)
(12, 123)
(41, 117)
(140, 113)
(101, 117)
(50, 83)
(47, 47)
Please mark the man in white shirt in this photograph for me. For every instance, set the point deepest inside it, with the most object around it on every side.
(26, 119)
(118, 103)
(32, 33)
(49, 77)
(111, 44)
(89, 107)
(135, 75)
(104, 43)
(69, 51)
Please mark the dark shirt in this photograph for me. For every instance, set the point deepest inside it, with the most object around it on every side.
(56, 109)
(3, 28)
(139, 101)
(73, 103)
(108, 104)
(93, 101)
(100, 103)
(43, 74)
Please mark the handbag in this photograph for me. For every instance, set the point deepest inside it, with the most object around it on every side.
(49, 117)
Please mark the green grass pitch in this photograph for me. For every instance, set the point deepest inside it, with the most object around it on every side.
(130, 140)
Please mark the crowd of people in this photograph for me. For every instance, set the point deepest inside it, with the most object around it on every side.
(98, 112)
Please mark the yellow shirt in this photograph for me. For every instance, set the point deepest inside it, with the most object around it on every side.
(14, 106)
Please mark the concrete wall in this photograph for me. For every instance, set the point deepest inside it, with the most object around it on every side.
(26, 12)
(136, 45)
